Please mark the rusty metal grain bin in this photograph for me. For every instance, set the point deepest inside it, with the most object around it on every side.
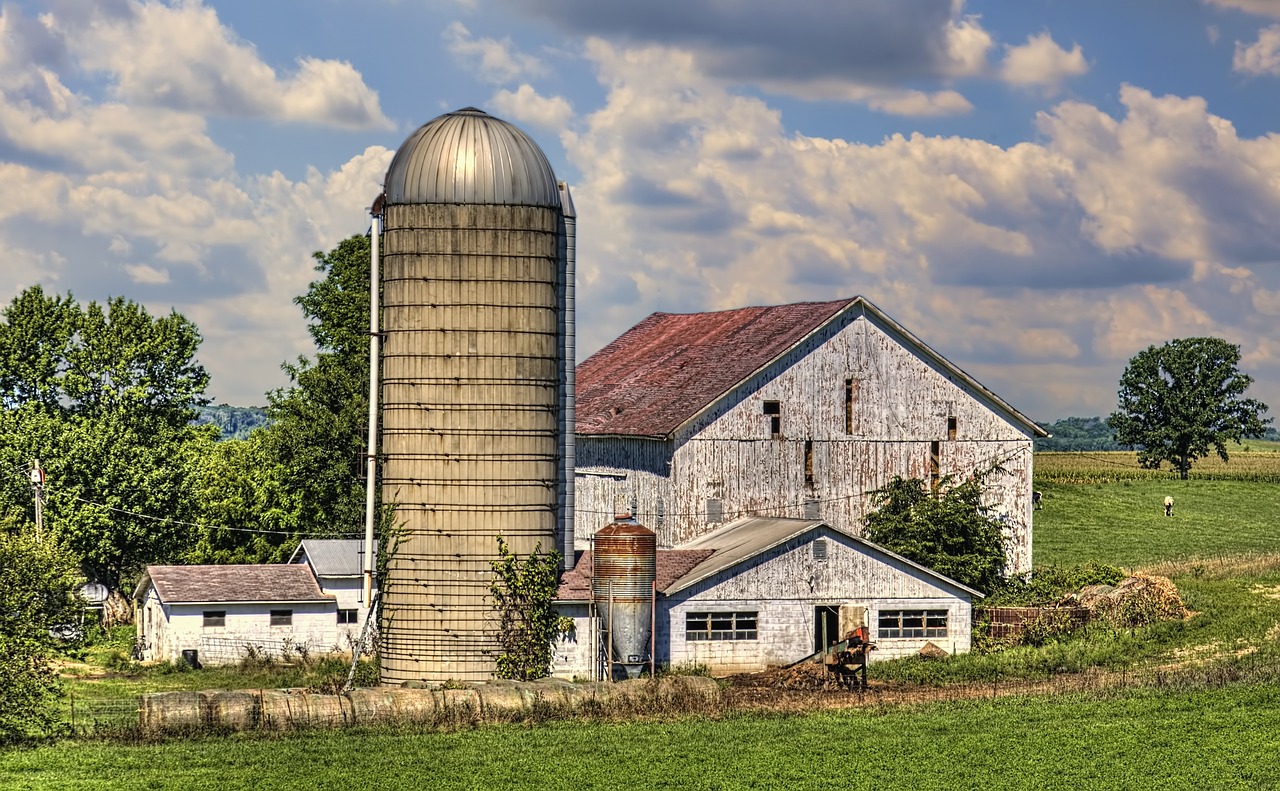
(625, 566)
(471, 361)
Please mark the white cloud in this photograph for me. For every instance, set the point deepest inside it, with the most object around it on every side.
(181, 57)
(144, 273)
(1073, 251)
(1041, 62)
(1260, 57)
(494, 61)
(1260, 7)
(527, 106)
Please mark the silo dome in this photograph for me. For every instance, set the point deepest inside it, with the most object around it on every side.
(470, 157)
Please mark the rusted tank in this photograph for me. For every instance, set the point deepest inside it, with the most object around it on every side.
(625, 567)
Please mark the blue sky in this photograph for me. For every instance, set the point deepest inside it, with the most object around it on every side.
(1037, 189)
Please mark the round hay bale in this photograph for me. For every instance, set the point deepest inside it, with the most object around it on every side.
(235, 709)
(161, 711)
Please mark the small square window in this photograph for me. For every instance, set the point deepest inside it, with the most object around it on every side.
(820, 550)
(215, 618)
(715, 512)
(346, 616)
(282, 617)
(773, 410)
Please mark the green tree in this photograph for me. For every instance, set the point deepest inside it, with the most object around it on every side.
(318, 426)
(1179, 400)
(104, 396)
(37, 590)
(948, 531)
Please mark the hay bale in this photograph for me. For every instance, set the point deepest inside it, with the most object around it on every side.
(234, 709)
(1140, 600)
(161, 711)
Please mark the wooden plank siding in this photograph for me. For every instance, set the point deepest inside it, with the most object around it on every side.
(901, 405)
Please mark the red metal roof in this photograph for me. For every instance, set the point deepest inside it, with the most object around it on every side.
(672, 564)
(670, 366)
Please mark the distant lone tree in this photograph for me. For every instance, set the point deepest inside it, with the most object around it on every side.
(1181, 399)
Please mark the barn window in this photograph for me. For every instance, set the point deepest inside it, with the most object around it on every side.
(346, 616)
(215, 618)
(813, 508)
(808, 462)
(773, 409)
(715, 512)
(662, 511)
(848, 405)
(720, 626)
(820, 550)
(935, 464)
(282, 617)
(912, 623)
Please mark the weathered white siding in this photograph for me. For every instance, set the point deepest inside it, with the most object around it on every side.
(572, 654)
(901, 403)
(168, 629)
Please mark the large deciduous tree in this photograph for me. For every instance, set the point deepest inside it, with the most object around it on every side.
(948, 530)
(1180, 400)
(318, 426)
(103, 395)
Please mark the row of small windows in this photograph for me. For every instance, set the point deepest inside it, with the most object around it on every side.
(214, 619)
(893, 624)
(773, 411)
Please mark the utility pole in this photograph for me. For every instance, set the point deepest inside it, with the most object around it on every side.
(37, 488)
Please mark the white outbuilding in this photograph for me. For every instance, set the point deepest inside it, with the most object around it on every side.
(763, 592)
(216, 614)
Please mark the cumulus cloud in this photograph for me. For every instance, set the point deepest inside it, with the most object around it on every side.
(181, 57)
(1260, 57)
(1076, 250)
(526, 105)
(1259, 7)
(1041, 62)
(494, 61)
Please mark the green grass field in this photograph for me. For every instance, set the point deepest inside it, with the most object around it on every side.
(1222, 549)
(1215, 738)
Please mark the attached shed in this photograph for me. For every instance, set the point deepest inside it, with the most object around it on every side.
(690, 422)
(764, 592)
(220, 611)
(338, 565)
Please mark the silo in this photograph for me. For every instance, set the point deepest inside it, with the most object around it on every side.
(625, 566)
(472, 284)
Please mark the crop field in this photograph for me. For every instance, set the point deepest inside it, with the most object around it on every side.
(1103, 507)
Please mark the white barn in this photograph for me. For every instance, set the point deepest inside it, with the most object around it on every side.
(210, 614)
(764, 592)
(338, 565)
(691, 422)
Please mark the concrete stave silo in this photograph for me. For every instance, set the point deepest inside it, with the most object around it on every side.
(472, 383)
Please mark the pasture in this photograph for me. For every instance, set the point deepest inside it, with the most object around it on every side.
(1217, 738)
(1216, 727)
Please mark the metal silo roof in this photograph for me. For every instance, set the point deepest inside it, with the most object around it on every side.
(468, 156)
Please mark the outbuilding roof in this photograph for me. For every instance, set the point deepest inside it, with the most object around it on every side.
(275, 582)
(745, 538)
(671, 367)
(735, 543)
(333, 557)
(672, 564)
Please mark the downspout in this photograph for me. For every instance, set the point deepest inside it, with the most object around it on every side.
(371, 456)
(568, 354)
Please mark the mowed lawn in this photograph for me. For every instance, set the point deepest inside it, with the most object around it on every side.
(1217, 738)
(1123, 522)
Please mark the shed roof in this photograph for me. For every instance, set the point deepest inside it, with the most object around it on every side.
(333, 557)
(672, 564)
(670, 367)
(732, 544)
(275, 582)
(745, 538)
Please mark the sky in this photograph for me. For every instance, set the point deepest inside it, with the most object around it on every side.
(1038, 190)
